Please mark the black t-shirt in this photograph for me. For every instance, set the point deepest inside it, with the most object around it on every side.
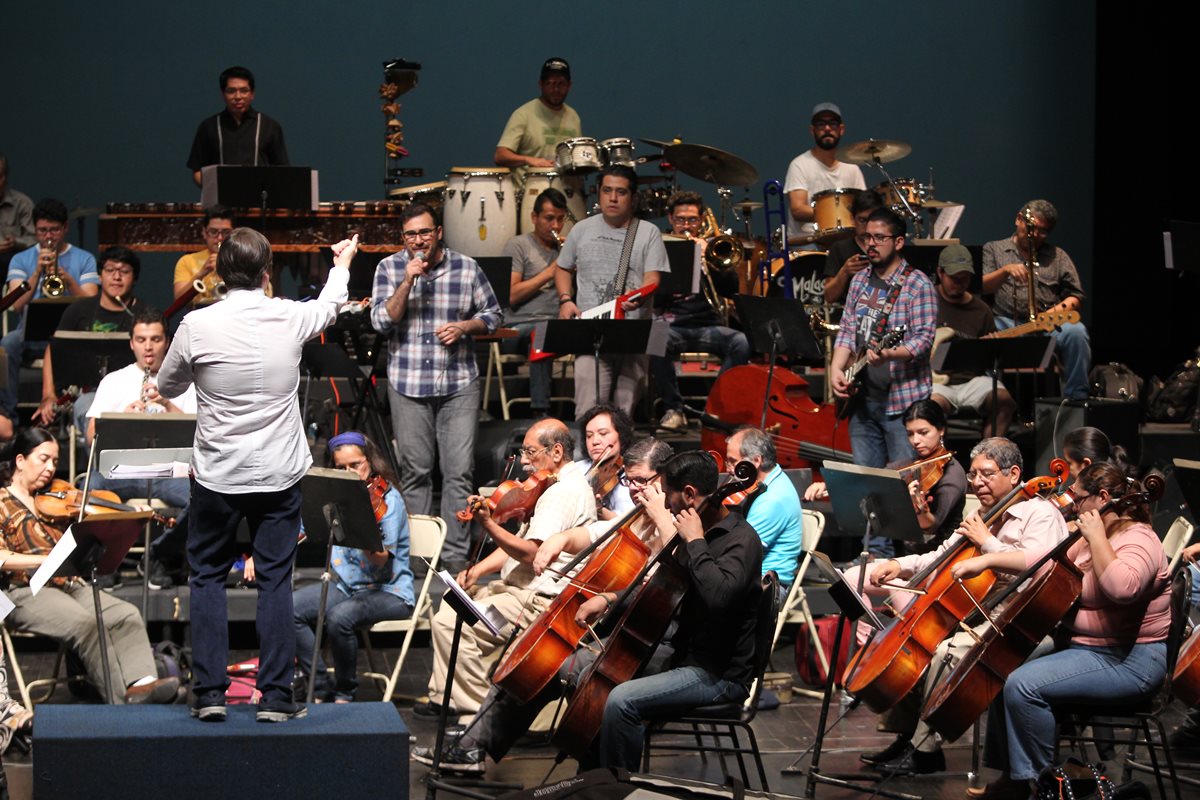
(971, 320)
(87, 315)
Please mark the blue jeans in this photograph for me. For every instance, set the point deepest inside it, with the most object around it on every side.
(344, 615)
(877, 440)
(1074, 355)
(274, 521)
(1195, 573)
(17, 348)
(445, 427)
(540, 372)
(1079, 674)
(667, 694)
(731, 345)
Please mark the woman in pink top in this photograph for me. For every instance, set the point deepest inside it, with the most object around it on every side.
(1110, 647)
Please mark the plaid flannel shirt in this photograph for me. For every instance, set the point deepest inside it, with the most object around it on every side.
(455, 290)
(916, 307)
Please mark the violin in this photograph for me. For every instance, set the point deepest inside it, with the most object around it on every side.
(1054, 585)
(512, 499)
(890, 665)
(377, 487)
(804, 432)
(60, 501)
(927, 472)
(605, 474)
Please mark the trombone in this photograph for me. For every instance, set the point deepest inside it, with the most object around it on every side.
(722, 254)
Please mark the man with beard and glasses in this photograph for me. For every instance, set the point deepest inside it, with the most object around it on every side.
(818, 170)
(889, 295)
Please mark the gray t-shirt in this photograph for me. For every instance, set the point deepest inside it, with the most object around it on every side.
(529, 257)
(593, 251)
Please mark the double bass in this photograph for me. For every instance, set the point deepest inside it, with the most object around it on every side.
(1055, 584)
(805, 433)
(638, 632)
(890, 665)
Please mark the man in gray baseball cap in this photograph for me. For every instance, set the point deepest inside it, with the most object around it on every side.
(818, 170)
(963, 315)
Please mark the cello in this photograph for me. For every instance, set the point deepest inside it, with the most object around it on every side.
(637, 634)
(1055, 584)
(889, 666)
(804, 432)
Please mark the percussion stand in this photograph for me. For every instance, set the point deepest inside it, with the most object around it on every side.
(908, 209)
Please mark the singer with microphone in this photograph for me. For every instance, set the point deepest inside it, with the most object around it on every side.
(429, 301)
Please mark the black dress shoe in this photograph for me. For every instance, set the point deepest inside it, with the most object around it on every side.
(915, 763)
(899, 748)
(432, 710)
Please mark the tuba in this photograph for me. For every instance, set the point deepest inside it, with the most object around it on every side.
(722, 254)
(52, 282)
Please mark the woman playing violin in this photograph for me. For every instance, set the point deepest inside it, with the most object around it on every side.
(63, 609)
(607, 431)
(367, 587)
(1110, 647)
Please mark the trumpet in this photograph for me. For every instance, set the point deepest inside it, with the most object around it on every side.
(52, 283)
(722, 253)
(557, 238)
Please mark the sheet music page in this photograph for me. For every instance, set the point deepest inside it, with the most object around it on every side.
(64, 548)
(6, 606)
(947, 221)
(490, 616)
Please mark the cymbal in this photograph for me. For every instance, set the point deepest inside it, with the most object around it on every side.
(931, 203)
(657, 142)
(747, 205)
(710, 164)
(866, 152)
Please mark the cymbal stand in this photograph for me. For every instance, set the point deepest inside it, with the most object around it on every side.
(724, 202)
(908, 209)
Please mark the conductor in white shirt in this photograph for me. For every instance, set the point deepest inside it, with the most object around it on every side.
(250, 452)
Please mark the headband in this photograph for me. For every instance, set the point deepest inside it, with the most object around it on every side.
(349, 437)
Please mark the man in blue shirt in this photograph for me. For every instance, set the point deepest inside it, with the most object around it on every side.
(775, 512)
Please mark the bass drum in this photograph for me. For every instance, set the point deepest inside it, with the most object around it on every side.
(808, 276)
(480, 212)
(832, 215)
(539, 180)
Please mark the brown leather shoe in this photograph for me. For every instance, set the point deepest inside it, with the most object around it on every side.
(163, 690)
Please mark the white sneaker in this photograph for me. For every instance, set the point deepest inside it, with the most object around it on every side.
(673, 420)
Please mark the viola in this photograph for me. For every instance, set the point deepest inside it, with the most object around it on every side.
(60, 501)
(377, 488)
(805, 433)
(1054, 585)
(637, 634)
(889, 666)
(512, 499)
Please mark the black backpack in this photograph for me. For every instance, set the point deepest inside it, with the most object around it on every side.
(1175, 399)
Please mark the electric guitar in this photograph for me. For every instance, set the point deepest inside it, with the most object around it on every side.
(846, 406)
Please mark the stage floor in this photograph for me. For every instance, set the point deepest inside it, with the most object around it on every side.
(783, 734)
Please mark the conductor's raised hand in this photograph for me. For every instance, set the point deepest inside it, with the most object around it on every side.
(344, 251)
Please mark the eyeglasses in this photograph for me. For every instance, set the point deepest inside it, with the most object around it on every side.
(218, 233)
(530, 452)
(124, 272)
(986, 475)
(47, 230)
(421, 234)
(876, 238)
(826, 123)
(237, 90)
(687, 220)
(630, 482)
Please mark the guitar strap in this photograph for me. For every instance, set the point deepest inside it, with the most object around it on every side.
(893, 293)
(626, 255)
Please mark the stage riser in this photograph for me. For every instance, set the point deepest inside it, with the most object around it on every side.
(135, 752)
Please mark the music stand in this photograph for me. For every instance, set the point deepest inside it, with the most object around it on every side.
(145, 439)
(44, 315)
(259, 187)
(83, 358)
(330, 360)
(87, 550)
(776, 326)
(596, 337)
(336, 509)
(1016, 352)
(684, 278)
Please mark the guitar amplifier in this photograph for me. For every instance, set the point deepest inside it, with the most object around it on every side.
(1054, 418)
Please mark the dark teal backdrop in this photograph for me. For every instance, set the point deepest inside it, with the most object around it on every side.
(997, 97)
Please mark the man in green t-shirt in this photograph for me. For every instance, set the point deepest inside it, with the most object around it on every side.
(535, 129)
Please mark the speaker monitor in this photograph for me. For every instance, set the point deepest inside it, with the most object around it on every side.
(1055, 418)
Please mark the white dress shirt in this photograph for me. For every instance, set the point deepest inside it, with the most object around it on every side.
(243, 354)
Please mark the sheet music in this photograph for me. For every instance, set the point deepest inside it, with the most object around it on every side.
(167, 469)
(947, 221)
(490, 616)
(60, 553)
(6, 606)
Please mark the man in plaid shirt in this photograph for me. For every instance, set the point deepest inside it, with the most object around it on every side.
(895, 377)
(429, 300)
